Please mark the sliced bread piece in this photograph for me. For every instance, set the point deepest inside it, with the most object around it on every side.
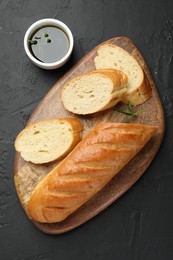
(94, 91)
(48, 140)
(112, 56)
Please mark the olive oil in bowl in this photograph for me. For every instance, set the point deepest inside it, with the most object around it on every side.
(49, 44)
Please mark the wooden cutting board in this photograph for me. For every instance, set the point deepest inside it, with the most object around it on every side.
(51, 107)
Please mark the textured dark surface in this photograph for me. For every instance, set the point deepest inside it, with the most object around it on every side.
(51, 107)
(139, 225)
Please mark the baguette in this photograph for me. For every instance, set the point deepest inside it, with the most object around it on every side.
(48, 140)
(112, 56)
(93, 163)
(94, 91)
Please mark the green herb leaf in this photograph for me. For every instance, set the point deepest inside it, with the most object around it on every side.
(130, 107)
(124, 111)
(32, 42)
(46, 35)
(48, 40)
(127, 118)
(37, 38)
(139, 112)
(130, 113)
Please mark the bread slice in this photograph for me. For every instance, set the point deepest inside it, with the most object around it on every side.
(48, 140)
(94, 91)
(112, 56)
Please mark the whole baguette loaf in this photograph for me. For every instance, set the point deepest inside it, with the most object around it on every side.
(92, 163)
(112, 56)
(95, 91)
(48, 140)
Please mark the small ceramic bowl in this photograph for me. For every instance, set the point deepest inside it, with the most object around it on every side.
(48, 22)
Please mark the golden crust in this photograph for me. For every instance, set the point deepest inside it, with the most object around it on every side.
(92, 163)
(139, 95)
(142, 92)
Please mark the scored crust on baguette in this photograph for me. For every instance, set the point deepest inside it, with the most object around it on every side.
(94, 91)
(48, 140)
(112, 56)
(90, 166)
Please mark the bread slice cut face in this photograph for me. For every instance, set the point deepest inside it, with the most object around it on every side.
(112, 56)
(48, 140)
(94, 91)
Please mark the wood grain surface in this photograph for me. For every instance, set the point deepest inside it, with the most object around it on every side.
(51, 107)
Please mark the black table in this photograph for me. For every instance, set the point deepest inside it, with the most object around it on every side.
(139, 225)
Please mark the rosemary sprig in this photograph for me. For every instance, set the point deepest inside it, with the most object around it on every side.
(130, 112)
